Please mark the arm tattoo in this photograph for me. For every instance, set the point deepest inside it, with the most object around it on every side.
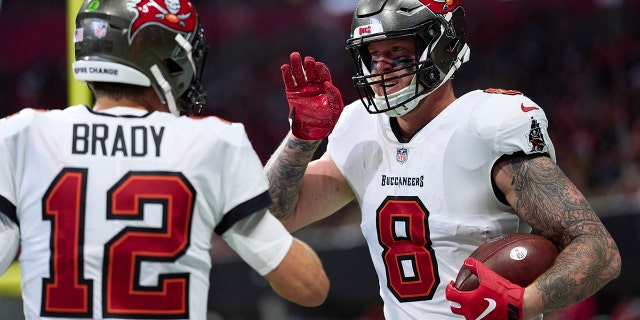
(285, 170)
(547, 200)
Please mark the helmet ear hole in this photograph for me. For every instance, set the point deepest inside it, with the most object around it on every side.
(453, 45)
(173, 67)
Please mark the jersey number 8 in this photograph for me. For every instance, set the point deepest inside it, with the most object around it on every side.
(403, 232)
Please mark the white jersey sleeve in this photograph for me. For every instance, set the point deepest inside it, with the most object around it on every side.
(9, 230)
(9, 242)
(249, 191)
(8, 154)
(513, 122)
(260, 240)
(500, 122)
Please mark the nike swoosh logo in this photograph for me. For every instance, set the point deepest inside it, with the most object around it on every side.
(527, 109)
(490, 307)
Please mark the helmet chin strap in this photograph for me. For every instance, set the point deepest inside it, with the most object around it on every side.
(404, 94)
(166, 90)
(188, 48)
(397, 98)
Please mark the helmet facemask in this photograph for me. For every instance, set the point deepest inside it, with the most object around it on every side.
(424, 76)
(194, 98)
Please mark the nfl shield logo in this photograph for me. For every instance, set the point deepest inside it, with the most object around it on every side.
(402, 155)
(99, 28)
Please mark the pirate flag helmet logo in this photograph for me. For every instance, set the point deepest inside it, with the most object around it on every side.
(441, 6)
(172, 14)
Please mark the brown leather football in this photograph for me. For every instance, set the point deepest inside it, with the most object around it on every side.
(518, 257)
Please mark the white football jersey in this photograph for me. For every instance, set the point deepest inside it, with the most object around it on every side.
(428, 203)
(117, 209)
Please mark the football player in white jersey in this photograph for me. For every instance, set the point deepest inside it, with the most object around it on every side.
(435, 175)
(114, 207)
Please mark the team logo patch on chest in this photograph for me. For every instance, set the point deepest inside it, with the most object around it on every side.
(402, 155)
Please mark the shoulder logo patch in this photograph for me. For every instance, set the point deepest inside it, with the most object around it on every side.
(536, 138)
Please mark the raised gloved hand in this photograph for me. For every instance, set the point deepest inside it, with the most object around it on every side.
(314, 102)
(496, 298)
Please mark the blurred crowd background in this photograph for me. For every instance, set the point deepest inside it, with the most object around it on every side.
(578, 59)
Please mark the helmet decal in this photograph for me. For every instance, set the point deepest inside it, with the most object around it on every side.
(374, 27)
(175, 15)
(99, 28)
(441, 6)
(93, 5)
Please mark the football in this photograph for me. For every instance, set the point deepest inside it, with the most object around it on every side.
(518, 257)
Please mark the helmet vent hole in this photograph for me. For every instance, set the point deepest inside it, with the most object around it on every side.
(408, 11)
(173, 67)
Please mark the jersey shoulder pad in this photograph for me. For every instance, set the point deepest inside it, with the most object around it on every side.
(511, 120)
(497, 109)
(217, 118)
(18, 121)
(352, 118)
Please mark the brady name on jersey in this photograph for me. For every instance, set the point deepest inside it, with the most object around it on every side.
(131, 141)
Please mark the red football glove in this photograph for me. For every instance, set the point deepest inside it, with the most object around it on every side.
(496, 298)
(314, 102)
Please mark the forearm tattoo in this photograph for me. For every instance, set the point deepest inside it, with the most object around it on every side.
(284, 171)
(554, 206)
